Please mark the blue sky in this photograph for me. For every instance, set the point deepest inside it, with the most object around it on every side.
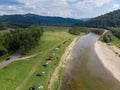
(63, 8)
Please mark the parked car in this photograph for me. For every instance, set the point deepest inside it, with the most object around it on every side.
(7, 59)
(32, 88)
(40, 74)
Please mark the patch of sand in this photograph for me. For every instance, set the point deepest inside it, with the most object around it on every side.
(109, 58)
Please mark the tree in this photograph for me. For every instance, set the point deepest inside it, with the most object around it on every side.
(78, 30)
(22, 39)
(108, 37)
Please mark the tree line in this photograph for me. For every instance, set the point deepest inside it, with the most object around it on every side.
(3, 26)
(109, 36)
(111, 19)
(115, 32)
(23, 39)
(78, 30)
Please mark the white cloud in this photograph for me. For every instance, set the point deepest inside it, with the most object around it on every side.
(49, 7)
(12, 7)
(2, 8)
(89, 4)
(116, 6)
(63, 8)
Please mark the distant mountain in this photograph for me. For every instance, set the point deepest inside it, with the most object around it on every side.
(85, 19)
(36, 20)
(111, 19)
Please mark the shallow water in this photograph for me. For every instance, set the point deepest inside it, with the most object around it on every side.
(85, 70)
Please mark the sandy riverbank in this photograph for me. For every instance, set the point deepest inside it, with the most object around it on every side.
(109, 58)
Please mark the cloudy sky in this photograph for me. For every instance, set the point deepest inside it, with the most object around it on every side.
(63, 8)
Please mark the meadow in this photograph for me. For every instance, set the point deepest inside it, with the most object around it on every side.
(22, 74)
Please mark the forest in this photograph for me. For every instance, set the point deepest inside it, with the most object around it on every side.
(78, 30)
(111, 36)
(33, 19)
(23, 39)
(111, 19)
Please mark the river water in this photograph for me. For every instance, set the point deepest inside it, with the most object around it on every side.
(85, 71)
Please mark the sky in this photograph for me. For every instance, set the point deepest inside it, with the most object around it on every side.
(63, 8)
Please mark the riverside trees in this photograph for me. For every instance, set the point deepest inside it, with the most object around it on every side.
(22, 39)
(78, 30)
(108, 37)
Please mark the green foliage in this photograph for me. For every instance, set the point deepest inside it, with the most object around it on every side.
(2, 49)
(108, 37)
(111, 38)
(55, 28)
(111, 19)
(15, 73)
(115, 32)
(1, 41)
(15, 25)
(116, 42)
(32, 19)
(22, 39)
(97, 31)
(78, 30)
(3, 26)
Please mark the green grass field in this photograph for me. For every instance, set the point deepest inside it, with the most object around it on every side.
(55, 28)
(116, 42)
(24, 72)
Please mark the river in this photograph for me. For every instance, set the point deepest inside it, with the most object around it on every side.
(85, 71)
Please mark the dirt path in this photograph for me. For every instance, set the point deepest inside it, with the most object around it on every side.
(65, 57)
(37, 64)
(34, 68)
(28, 76)
(16, 58)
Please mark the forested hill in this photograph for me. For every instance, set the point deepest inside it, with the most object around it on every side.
(111, 19)
(37, 20)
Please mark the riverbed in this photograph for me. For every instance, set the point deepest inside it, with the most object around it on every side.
(85, 71)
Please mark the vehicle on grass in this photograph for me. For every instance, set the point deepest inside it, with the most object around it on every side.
(7, 59)
(32, 88)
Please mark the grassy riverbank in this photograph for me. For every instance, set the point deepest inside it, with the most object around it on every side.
(22, 74)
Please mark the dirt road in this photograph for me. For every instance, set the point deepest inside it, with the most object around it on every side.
(15, 57)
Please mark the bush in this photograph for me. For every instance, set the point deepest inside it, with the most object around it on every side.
(2, 52)
(108, 37)
(97, 31)
(116, 32)
(78, 30)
